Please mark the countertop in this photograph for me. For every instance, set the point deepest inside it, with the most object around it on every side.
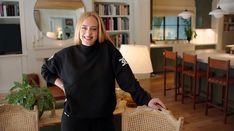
(202, 55)
(178, 46)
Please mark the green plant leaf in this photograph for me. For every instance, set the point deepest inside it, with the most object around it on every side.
(30, 95)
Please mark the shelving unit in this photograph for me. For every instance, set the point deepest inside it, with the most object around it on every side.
(10, 27)
(13, 54)
(228, 30)
(229, 23)
(9, 12)
(116, 17)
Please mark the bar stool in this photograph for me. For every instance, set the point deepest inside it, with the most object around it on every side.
(218, 73)
(190, 69)
(171, 64)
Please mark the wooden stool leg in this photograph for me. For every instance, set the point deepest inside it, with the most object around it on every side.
(191, 85)
(182, 82)
(194, 93)
(199, 87)
(175, 83)
(226, 105)
(178, 85)
(223, 95)
(207, 97)
(165, 82)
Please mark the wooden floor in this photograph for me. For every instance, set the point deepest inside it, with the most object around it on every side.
(194, 120)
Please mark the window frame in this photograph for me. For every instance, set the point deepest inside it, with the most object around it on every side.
(164, 27)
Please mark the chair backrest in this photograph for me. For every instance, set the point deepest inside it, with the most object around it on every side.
(170, 55)
(148, 119)
(17, 118)
(214, 65)
(189, 58)
(170, 58)
(218, 64)
(33, 79)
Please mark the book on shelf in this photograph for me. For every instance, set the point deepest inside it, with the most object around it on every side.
(1, 9)
(111, 9)
(116, 23)
(115, 16)
(9, 8)
(120, 39)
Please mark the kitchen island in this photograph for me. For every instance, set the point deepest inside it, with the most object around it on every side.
(202, 56)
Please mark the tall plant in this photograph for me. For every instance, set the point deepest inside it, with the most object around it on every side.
(30, 95)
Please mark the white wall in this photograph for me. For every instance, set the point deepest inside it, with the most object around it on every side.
(37, 47)
(141, 22)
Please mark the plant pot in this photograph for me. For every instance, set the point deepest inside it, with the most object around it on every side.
(189, 39)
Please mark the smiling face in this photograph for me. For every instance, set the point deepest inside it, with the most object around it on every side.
(89, 31)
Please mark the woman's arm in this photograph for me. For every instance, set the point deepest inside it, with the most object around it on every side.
(50, 70)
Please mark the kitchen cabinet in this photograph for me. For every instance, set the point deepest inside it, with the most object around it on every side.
(203, 19)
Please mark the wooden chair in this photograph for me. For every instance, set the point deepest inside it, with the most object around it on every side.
(190, 69)
(171, 64)
(33, 78)
(57, 93)
(144, 118)
(218, 73)
(17, 118)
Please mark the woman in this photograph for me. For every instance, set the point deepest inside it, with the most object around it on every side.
(87, 72)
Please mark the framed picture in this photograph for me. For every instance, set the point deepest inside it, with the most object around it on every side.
(69, 21)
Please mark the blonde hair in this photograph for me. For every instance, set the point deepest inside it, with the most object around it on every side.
(102, 35)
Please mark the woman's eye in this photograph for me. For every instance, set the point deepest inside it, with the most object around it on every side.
(83, 28)
(94, 29)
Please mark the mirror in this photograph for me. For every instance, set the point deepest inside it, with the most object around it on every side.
(56, 19)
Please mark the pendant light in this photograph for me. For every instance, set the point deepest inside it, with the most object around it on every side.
(217, 13)
(185, 14)
(224, 7)
(227, 5)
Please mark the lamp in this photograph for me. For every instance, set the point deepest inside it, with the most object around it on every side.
(51, 35)
(227, 5)
(185, 14)
(138, 58)
(224, 7)
(218, 13)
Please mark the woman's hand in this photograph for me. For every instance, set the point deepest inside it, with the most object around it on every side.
(58, 82)
(156, 103)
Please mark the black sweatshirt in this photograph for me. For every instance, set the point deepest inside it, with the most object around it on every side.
(88, 74)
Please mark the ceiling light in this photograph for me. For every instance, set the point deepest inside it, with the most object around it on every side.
(227, 5)
(185, 14)
(218, 13)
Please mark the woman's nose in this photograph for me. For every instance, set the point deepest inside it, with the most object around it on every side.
(88, 31)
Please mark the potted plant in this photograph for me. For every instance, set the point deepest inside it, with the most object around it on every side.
(190, 34)
(30, 95)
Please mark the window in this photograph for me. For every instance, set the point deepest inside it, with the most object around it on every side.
(169, 28)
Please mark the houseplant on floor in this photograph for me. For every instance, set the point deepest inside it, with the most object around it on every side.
(30, 95)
